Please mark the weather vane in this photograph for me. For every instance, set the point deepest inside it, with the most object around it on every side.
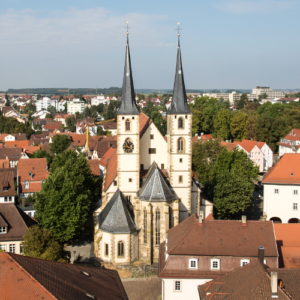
(178, 29)
(127, 27)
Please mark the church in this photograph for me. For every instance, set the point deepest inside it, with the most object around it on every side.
(148, 183)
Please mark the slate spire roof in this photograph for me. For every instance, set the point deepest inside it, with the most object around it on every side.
(116, 216)
(128, 104)
(179, 104)
(155, 188)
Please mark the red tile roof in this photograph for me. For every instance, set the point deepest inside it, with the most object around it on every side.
(209, 217)
(32, 149)
(94, 165)
(202, 138)
(7, 181)
(145, 122)
(4, 163)
(106, 157)
(30, 278)
(229, 146)
(284, 171)
(111, 171)
(78, 139)
(248, 145)
(294, 135)
(17, 144)
(221, 237)
(109, 125)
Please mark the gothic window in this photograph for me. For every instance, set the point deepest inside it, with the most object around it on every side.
(145, 226)
(180, 123)
(157, 225)
(120, 248)
(180, 145)
(127, 125)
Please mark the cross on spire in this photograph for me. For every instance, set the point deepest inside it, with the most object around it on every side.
(178, 29)
(127, 27)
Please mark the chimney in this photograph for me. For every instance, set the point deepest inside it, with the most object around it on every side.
(261, 254)
(244, 221)
(23, 202)
(31, 175)
(274, 284)
(200, 218)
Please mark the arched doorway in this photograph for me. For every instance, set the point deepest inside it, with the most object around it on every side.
(276, 220)
(293, 220)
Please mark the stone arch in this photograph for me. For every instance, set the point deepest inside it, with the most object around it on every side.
(121, 249)
(276, 220)
(180, 123)
(293, 220)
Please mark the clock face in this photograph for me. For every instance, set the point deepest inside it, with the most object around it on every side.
(128, 146)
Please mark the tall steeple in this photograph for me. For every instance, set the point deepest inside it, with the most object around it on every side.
(179, 103)
(128, 103)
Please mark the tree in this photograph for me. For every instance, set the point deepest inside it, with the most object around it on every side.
(42, 154)
(100, 131)
(29, 108)
(60, 143)
(141, 97)
(204, 156)
(242, 102)
(71, 123)
(262, 96)
(40, 243)
(38, 97)
(7, 100)
(51, 109)
(238, 127)
(222, 124)
(64, 203)
(49, 116)
(231, 182)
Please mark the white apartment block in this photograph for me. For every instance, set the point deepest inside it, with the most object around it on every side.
(272, 94)
(231, 97)
(100, 99)
(75, 106)
(45, 103)
(282, 190)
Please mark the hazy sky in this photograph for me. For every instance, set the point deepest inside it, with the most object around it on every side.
(81, 43)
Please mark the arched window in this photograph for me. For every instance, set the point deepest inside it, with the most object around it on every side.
(127, 125)
(180, 123)
(157, 225)
(145, 226)
(120, 248)
(180, 145)
(26, 185)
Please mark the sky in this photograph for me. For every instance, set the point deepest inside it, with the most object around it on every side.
(225, 44)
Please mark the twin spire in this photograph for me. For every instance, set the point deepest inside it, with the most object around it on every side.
(128, 104)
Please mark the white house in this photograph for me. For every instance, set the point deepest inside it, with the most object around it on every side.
(100, 99)
(282, 190)
(45, 102)
(40, 114)
(75, 106)
(290, 143)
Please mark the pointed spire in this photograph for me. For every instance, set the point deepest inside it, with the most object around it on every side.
(179, 103)
(128, 103)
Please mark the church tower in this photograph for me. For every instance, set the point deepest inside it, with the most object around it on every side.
(128, 135)
(179, 136)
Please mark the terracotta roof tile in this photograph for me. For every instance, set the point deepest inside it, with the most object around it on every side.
(294, 135)
(13, 154)
(7, 186)
(229, 146)
(32, 149)
(106, 157)
(111, 170)
(4, 163)
(94, 165)
(17, 144)
(284, 171)
(202, 138)
(25, 278)
(209, 217)
(248, 145)
(145, 122)
(109, 125)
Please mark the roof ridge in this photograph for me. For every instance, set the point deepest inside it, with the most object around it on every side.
(195, 222)
(120, 285)
(29, 274)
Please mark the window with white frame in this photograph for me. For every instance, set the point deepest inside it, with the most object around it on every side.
(177, 286)
(295, 206)
(193, 263)
(245, 262)
(12, 248)
(295, 192)
(2, 229)
(215, 264)
(26, 185)
(276, 191)
(3, 247)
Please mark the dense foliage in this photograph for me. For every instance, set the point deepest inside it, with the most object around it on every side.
(11, 125)
(42, 154)
(40, 243)
(228, 177)
(64, 203)
(60, 143)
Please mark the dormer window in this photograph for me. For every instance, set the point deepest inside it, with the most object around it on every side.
(26, 185)
(2, 229)
(245, 262)
(215, 264)
(193, 263)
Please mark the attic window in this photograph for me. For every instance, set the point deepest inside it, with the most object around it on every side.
(85, 273)
(292, 174)
(2, 229)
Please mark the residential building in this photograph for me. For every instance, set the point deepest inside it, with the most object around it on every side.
(253, 281)
(290, 143)
(197, 251)
(100, 100)
(110, 126)
(288, 244)
(81, 126)
(41, 114)
(12, 137)
(32, 173)
(45, 103)
(17, 144)
(13, 226)
(272, 94)
(259, 152)
(102, 146)
(105, 159)
(26, 277)
(282, 190)
(61, 118)
(75, 106)
(4, 163)
(229, 97)
(7, 187)
(13, 155)
(147, 184)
